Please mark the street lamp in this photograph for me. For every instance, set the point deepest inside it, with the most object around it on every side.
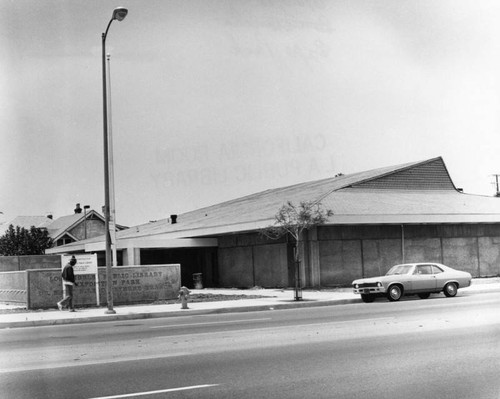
(85, 207)
(119, 14)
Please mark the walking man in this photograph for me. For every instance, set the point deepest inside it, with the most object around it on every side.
(68, 277)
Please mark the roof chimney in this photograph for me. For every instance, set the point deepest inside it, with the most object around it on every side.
(173, 219)
(78, 209)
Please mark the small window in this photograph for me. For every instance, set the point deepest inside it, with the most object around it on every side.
(64, 241)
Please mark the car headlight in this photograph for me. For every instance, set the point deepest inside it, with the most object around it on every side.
(379, 284)
(356, 286)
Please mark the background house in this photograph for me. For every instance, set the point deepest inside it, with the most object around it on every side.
(82, 224)
(404, 213)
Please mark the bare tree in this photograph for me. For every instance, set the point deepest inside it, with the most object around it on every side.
(292, 220)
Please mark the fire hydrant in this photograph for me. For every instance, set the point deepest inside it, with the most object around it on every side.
(183, 296)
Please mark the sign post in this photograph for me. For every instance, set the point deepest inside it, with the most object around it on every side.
(85, 264)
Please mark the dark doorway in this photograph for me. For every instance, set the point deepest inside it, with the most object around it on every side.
(192, 260)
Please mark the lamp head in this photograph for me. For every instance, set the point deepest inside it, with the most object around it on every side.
(119, 13)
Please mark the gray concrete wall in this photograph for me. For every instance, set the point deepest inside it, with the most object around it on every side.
(13, 287)
(236, 267)
(250, 260)
(380, 255)
(340, 254)
(25, 262)
(39, 262)
(136, 284)
(462, 253)
(489, 256)
(340, 261)
(270, 265)
(9, 263)
(422, 250)
(351, 252)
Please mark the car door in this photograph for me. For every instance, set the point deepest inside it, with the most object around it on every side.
(424, 279)
(441, 277)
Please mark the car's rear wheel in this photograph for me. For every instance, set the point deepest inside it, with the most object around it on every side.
(367, 298)
(395, 293)
(424, 295)
(450, 289)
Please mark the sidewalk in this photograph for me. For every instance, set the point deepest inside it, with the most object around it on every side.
(268, 299)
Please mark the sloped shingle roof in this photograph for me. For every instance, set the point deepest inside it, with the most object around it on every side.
(418, 192)
(63, 224)
(28, 221)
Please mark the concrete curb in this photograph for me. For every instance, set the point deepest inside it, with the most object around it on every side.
(176, 313)
(283, 305)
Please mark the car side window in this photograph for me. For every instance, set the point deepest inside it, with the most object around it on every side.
(436, 269)
(424, 269)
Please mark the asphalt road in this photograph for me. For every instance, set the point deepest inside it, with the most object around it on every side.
(435, 348)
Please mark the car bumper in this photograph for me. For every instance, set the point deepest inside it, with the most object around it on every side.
(369, 290)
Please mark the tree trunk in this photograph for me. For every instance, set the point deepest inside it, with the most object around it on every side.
(298, 282)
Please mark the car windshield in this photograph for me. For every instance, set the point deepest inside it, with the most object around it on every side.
(399, 269)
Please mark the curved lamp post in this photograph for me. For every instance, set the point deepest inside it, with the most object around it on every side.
(85, 207)
(119, 14)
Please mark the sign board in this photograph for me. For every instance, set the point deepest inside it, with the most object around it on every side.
(85, 263)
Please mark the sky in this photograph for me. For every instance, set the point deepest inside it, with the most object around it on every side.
(213, 100)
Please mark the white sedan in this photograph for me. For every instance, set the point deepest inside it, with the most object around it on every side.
(420, 279)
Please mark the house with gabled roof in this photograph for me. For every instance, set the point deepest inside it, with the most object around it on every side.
(76, 227)
(66, 229)
(405, 213)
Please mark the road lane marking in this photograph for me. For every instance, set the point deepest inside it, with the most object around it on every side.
(211, 323)
(334, 322)
(272, 328)
(85, 363)
(364, 320)
(130, 395)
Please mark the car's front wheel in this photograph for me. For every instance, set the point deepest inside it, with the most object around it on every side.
(395, 293)
(367, 298)
(450, 289)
